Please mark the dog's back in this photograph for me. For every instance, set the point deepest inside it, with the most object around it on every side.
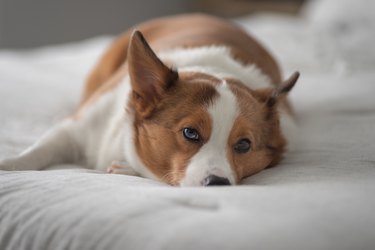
(182, 31)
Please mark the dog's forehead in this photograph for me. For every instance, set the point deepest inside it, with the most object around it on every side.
(189, 98)
(223, 113)
(214, 91)
(197, 85)
(224, 106)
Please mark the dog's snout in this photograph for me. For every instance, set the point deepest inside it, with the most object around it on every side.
(213, 180)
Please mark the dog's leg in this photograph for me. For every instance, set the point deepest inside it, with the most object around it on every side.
(57, 146)
(118, 167)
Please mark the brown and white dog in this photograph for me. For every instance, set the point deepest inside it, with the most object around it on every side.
(190, 100)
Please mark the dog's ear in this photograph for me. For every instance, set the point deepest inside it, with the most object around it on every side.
(270, 96)
(149, 77)
(282, 89)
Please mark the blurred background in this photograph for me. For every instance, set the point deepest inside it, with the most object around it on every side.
(29, 24)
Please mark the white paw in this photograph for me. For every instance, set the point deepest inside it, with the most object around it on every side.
(118, 167)
(8, 165)
(15, 164)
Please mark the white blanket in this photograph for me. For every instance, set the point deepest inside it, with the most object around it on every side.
(320, 197)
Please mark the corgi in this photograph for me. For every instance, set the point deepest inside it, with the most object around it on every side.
(190, 100)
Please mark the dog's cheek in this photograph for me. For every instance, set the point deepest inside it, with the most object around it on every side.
(249, 164)
(179, 165)
(236, 165)
(180, 159)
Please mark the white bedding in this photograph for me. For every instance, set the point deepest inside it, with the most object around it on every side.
(320, 197)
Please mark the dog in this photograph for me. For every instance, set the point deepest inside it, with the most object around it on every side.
(190, 100)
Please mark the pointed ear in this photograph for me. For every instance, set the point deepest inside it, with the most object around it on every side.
(149, 77)
(282, 89)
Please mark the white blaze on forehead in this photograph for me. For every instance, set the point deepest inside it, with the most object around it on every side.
(212, 159)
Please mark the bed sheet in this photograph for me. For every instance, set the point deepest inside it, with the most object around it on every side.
(320, 197)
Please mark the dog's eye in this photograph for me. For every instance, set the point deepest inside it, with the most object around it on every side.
(191, 134)
(242, 146)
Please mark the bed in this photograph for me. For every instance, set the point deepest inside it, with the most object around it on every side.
(320, 197)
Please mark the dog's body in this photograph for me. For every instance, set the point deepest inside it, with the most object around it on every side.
(203, 110)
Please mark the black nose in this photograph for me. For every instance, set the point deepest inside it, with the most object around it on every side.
(213, 180)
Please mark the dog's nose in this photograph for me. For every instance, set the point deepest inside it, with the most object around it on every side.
(213, 180)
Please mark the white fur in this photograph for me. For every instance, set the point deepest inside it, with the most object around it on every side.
(212, 157)
(114, 131)
(289, 128)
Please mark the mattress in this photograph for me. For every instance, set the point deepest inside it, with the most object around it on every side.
(321, 196)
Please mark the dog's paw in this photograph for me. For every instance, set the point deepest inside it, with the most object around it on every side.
(8, 165)
(118, 167)
(14, 164)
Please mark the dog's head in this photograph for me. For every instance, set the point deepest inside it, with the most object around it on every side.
(193, 129)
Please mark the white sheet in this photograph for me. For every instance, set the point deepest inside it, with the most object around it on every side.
(320, 197)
